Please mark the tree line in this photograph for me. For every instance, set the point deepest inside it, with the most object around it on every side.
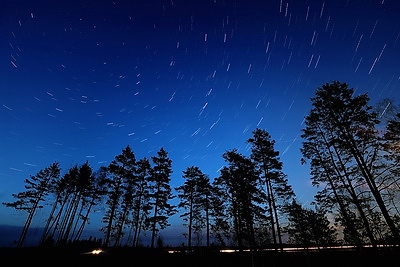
(352, 149)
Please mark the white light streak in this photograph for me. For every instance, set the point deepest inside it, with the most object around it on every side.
(259, 101)
(358, 65)
(358, 44)
(373, 65)
(384, 111)
(316, 64)
(380, 55)
(286, 10)
(322, 10)
(313, 37)
(308, 10)
(373, 29)
(248, 70)
(259, 122)
(172, 97)
(215, 123)
(195, 132)
(309, 63)
(7, 107)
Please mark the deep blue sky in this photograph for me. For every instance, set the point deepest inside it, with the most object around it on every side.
(80, 80)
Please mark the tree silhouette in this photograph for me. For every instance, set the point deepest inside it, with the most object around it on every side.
(194, 197)
(141, 206)
(352, 148)
(38, 187)
(345, 128)
(160, 193)
(276, 186)
(239, 182)
(120, 170)
(308, 227)
(328, 167)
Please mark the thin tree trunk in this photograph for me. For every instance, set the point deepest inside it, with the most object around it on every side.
(110, 222)
(121, 227)
(83, 224)
(190, 222)
(348, 185)
(47, 226)
(78, 219)
(71, 216)
(371, 184)
(278, 229)
(348, 222)
(153, 234)
(207, 223)
(137, 218)
(267, 184)
(27, 224)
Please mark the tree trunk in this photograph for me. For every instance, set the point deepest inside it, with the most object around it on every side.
(110, 222)
(268, 185)
(47, 228)
(371, 184)
(278, 229)
(207, 222)
(85, 219)
(153, 234)
(348, 222)
(190, 222)
(348, 185)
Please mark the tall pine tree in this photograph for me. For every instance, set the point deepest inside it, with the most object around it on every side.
(160, 194)
(37, 188)
(277, 189)
(349, 127)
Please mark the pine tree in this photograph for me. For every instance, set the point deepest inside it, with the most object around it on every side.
(141, 200)
(37, 188)
(239, 182)
(308, 227)
(194, 197)
(92, 196)
(349, 127)
(329, 168)
(206, 198)
(121, 171)
(160, 193)
(277, 188)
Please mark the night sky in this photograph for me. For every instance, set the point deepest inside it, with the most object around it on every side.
(80, 80)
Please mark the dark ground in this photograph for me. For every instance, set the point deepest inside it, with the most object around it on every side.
(146, 257)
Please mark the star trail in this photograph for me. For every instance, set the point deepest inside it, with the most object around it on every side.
(80, 80)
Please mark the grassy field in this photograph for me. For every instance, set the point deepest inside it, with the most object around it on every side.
(161, 257)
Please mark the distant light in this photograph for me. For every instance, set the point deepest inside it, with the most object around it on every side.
(96, 251)
(227, 250)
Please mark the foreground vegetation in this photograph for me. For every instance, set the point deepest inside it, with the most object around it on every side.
(160, 257)
(352, 149)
